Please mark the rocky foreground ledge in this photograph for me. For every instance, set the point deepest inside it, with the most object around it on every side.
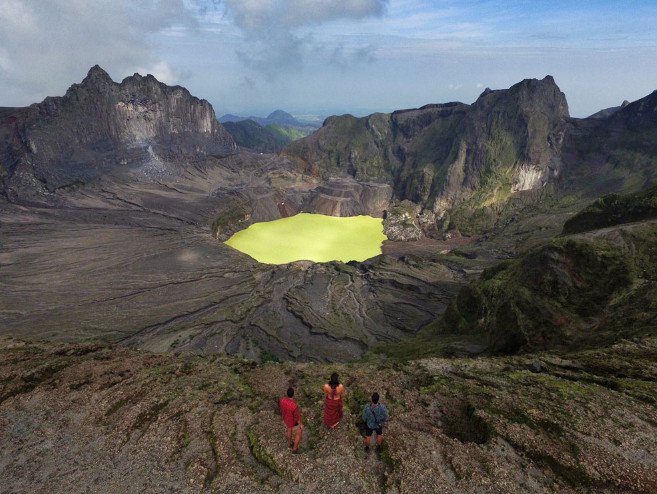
(98, 418)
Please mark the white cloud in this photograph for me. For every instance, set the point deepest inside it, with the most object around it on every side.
(273, 43)
(163, 72)
(254, 15)
(15, 15)
(46, 46)
(356, 56)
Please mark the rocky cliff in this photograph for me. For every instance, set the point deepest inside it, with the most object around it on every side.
(138, 170)
(100, 126)
(613, 154)
(444, 156)
(342, 197)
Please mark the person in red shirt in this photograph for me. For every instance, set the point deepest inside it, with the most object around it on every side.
(291, 419)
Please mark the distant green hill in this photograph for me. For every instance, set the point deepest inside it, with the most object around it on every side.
(266, 135)
(251, 135)
(277, 117)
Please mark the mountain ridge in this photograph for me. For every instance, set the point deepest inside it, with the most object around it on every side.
(475, 158)
(157, 353)
(279, 117)
(269, 134)
(99, 126)
(465, 164)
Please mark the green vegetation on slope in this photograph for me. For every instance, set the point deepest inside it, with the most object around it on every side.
(313, 237)
(360, 147)
(233, 216)
(456, 157)
(265, 138)
(570, 293)
(288, 133)
(615, 209)
(251, 135)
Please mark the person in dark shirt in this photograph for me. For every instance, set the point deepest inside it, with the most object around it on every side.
(375, 415)
(291, 418)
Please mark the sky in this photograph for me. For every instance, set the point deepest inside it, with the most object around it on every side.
(323, 57)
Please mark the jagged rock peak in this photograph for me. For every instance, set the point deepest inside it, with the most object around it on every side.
(546, 83)
(97, 74)
(530, 94)
(546, 86)
(138, 77)
(97, 77)
(99, 125)
(548, 80)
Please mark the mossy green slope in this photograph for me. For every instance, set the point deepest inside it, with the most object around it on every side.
(614, 209)
(251, 135)
(361, 147)
(464, 158)
(573, 292)
(312, 237)
(269, 138)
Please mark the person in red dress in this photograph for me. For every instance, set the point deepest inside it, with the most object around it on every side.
(292, 419)
(333, 394)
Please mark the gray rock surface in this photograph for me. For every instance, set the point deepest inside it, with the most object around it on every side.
(402, 222)
(75, 418)
(439, 155)
(100, 127)
(344, 197)
(135, 262)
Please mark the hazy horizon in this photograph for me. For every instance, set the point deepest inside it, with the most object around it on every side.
(313, 57)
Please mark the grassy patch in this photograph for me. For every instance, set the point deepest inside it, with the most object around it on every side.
(116, 406)
(426, 343)
(614, 209)
(547, 297)
(261, 454)
(267, 356)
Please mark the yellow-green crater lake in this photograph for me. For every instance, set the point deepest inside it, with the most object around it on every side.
(311, 237)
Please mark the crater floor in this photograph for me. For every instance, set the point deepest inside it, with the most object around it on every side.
(130, 260)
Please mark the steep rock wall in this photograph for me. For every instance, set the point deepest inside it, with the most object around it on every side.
(99, 126)
(443, 156)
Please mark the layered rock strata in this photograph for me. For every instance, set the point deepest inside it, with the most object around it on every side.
(100, 127)
(439, 155)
